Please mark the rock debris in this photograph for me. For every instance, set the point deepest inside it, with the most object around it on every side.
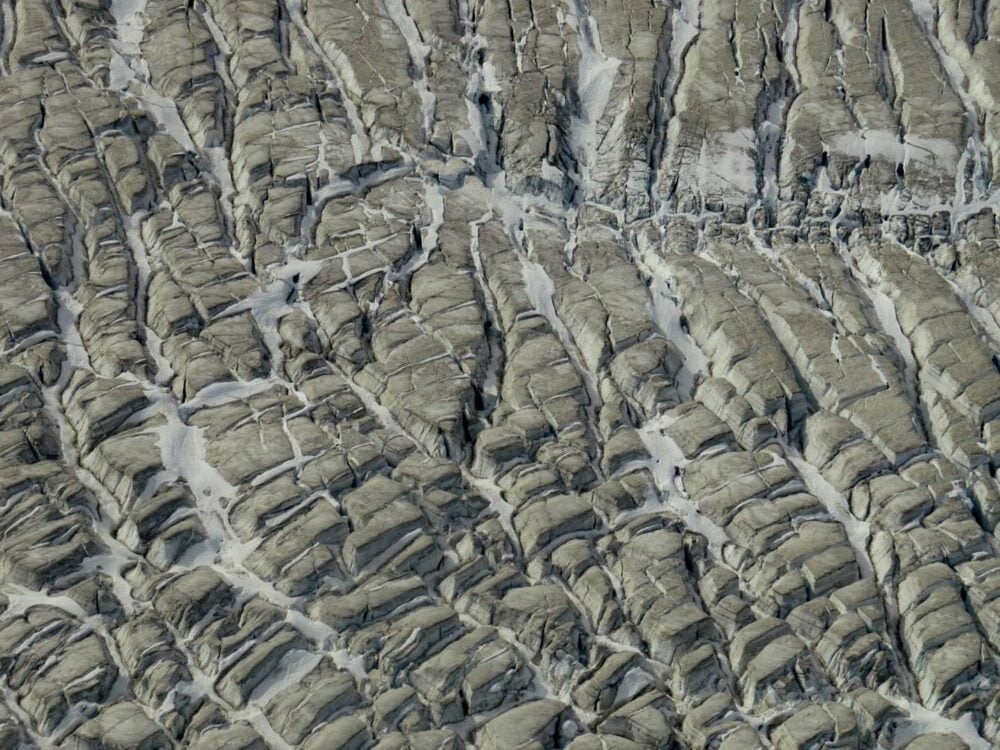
(510, 375)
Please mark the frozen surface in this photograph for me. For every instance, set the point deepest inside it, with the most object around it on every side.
(590, 374)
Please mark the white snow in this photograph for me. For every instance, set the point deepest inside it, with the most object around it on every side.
(858, 532)
(597, 74)
(129, 18)
(667, 460)
(343, 78)
(419, 54)
(924, 721)
(886, 313)
(667, 318)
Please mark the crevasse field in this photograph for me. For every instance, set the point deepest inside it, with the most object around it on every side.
(499, 374)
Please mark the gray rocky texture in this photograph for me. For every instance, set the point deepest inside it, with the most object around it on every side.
(398, 375)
